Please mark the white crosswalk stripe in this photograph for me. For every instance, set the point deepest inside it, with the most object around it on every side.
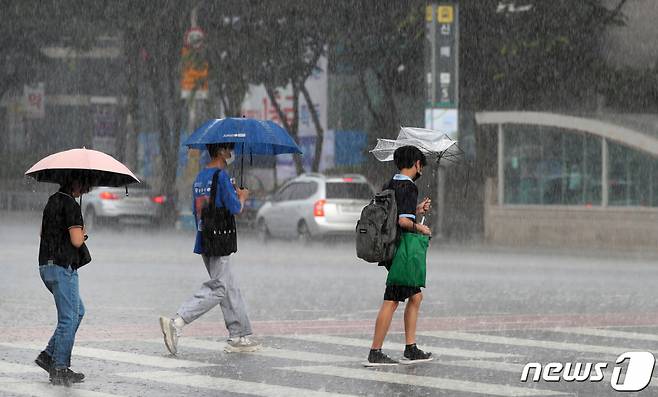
(365, 345)
(124, 357)
(267, 351)
(228, 385)
(13, 368)
(608, 333)
(423, 381)
(45, 389)
(609, 351)
(488, 365)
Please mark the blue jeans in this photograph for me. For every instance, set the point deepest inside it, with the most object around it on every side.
(63, 284)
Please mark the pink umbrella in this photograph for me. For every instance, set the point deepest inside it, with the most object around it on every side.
(97, 168)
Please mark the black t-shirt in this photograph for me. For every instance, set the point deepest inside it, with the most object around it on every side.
(62, 212)
(406, 196)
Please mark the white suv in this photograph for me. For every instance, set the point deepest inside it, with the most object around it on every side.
(312, 205)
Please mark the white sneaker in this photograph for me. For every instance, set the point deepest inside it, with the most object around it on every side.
(243, 344)
(171, 334)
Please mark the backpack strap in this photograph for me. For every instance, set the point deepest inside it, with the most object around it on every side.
(213, 188)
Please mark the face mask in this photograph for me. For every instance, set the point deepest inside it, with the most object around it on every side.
(230, 160)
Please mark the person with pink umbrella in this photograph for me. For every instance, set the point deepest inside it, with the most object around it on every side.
(62, 250)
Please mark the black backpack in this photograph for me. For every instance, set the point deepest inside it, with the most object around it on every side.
(376, 230)
(218, 232)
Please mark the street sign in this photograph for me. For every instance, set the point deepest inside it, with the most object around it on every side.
(442, 67)
(195, 75)
(445, 14)
(442, 56)
(194, 38)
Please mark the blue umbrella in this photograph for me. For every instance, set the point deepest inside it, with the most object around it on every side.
(251, 136)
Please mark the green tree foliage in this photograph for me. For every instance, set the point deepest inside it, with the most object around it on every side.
(546, 56)
(292, 37)
(382, 44)
(29, 26)
(230, 49)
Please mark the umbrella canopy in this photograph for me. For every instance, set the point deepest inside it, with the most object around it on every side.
(251, 136)
(98, 168)
(433, 144)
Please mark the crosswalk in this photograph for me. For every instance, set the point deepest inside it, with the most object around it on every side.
(467, 364)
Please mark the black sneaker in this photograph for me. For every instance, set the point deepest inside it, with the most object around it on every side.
(65, 376)
(75, 377)
(60, 376)
(412, 354)
(45, 361)
(378, 359)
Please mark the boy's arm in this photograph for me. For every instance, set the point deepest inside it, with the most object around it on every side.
(410, 225)
(229, 195)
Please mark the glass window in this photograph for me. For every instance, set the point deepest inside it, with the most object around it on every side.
(349, 190)
(632, 177)
(551, 166)
(307, 190)
(284, 193)
(302, 191)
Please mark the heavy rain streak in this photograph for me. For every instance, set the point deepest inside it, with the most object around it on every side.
(328, 198)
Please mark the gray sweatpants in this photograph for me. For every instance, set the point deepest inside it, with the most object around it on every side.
(220, 290)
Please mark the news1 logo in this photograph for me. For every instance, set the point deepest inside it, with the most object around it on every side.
(639, 369)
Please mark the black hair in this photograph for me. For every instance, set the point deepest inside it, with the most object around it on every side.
(72, 176)
(406, 157)
(214, 148)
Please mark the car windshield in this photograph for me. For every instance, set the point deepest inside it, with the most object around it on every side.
(348, 190)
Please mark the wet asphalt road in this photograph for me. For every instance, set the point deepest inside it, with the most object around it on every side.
(486, 311)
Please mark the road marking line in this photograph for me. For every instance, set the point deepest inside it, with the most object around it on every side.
(510, 341)
(422, 381)
(13, 368)
(484, 364)
(607, 333)
(228, 385)
(124, 357)
(45, 389)
(436, 350)
(266, 351)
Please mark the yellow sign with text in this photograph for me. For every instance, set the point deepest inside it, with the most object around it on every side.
(445, 14)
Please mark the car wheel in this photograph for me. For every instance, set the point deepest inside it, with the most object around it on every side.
(263, 232)
(303, 233)
(90, 219)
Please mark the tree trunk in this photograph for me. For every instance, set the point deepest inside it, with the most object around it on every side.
(386, 122)
(291, 128)
(319, 140)
(132, 98)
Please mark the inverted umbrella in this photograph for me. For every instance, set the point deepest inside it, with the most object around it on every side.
(97, 168)
(434, 144)
(250, 136)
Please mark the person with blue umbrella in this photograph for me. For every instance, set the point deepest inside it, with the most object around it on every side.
(215, 203)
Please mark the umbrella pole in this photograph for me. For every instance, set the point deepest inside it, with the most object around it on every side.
(242, 167)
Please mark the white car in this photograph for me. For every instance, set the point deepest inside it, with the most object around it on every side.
(312, 205)
(140, 206)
